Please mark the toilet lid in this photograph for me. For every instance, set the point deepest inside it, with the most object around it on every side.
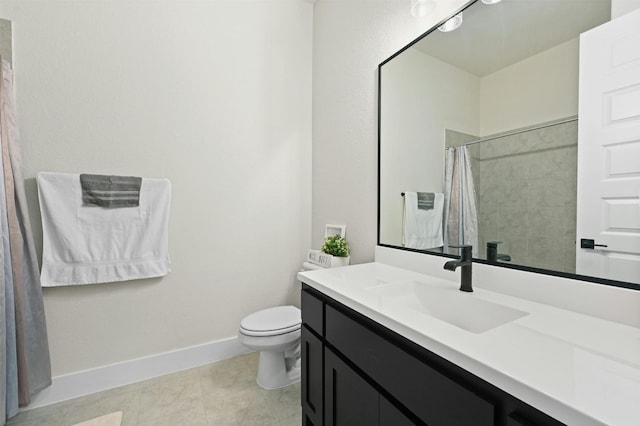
(278, 320)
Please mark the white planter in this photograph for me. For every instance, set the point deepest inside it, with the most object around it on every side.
(339, 261)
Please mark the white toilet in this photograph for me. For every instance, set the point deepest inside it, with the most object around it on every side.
(275, 332)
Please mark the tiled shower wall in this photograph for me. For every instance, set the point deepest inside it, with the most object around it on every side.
(526, 191)
(527, 195)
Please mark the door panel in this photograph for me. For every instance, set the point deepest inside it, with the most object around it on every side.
(609, 150)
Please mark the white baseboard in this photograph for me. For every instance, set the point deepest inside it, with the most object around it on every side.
(86, 382)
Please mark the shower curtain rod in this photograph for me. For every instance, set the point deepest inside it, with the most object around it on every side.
(523, 130)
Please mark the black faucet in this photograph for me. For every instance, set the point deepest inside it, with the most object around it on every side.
(465, 263)
(492, 252)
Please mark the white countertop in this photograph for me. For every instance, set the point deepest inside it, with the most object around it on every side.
(578, 369)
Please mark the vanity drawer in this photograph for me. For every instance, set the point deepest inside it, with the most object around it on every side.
(312, 311)
(433, 397)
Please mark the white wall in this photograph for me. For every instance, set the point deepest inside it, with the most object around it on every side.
(351, 38)
(541, 88)
(215, 96)
(621, 7)
(421, 97)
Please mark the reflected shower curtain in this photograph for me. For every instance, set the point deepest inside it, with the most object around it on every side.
(24, 353)
(460, 211)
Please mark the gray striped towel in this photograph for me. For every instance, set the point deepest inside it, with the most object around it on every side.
(110, 191)
(426, 200)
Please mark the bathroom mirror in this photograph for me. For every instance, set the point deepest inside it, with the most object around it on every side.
(493, 103)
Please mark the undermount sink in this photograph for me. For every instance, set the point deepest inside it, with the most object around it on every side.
(446, 303)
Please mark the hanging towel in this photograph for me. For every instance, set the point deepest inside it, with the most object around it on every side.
(110, 191)
(90, 244)
(422, 228)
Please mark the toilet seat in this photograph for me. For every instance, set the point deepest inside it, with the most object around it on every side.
(272, 321)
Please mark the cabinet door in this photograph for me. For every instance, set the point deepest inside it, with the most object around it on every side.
(349, 399)
(391, 416)
(312, 369)
(312, 312)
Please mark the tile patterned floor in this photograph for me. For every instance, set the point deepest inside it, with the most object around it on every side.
(221, 394)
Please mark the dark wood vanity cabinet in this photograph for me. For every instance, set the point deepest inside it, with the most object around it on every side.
(357, 372)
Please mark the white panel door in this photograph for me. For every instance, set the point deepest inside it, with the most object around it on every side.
(609, 150)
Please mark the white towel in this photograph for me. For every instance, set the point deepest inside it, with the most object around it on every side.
(422, 228)
(91, 244)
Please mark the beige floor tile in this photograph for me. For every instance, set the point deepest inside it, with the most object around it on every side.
(35, 421)
(241, 408)
(103, 403)
(284, 402)
(295, 420)
(51, 415)
(179, 394)
(192, 417)
(220, 394)
(236, 397)
(111, 419)
(38, 421)
(239, 371)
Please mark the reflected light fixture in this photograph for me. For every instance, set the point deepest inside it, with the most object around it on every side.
(451, 24)
(491, 1)
(420, 8)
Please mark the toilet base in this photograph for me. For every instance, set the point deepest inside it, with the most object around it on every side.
(272, 371)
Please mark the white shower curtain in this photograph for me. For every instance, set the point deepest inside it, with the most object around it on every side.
(24, 353)
(460, 211)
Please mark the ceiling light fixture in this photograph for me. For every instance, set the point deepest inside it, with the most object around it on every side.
(491, 1)
(420, 8)
(451, 24)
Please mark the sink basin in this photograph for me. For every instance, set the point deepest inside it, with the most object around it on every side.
(446, 303)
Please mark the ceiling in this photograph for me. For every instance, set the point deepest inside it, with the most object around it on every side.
(502, 31)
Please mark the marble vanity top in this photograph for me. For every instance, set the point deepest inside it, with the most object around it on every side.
(579, 369)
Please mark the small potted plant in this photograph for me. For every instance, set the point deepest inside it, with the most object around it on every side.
(338, 248)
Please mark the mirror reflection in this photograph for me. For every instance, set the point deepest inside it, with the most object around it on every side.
(479, 135)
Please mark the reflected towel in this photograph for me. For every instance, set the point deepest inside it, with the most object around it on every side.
(88, 245)
(422, 229)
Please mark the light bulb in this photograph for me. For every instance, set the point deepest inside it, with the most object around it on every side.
(420, 8)
(451, 24)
